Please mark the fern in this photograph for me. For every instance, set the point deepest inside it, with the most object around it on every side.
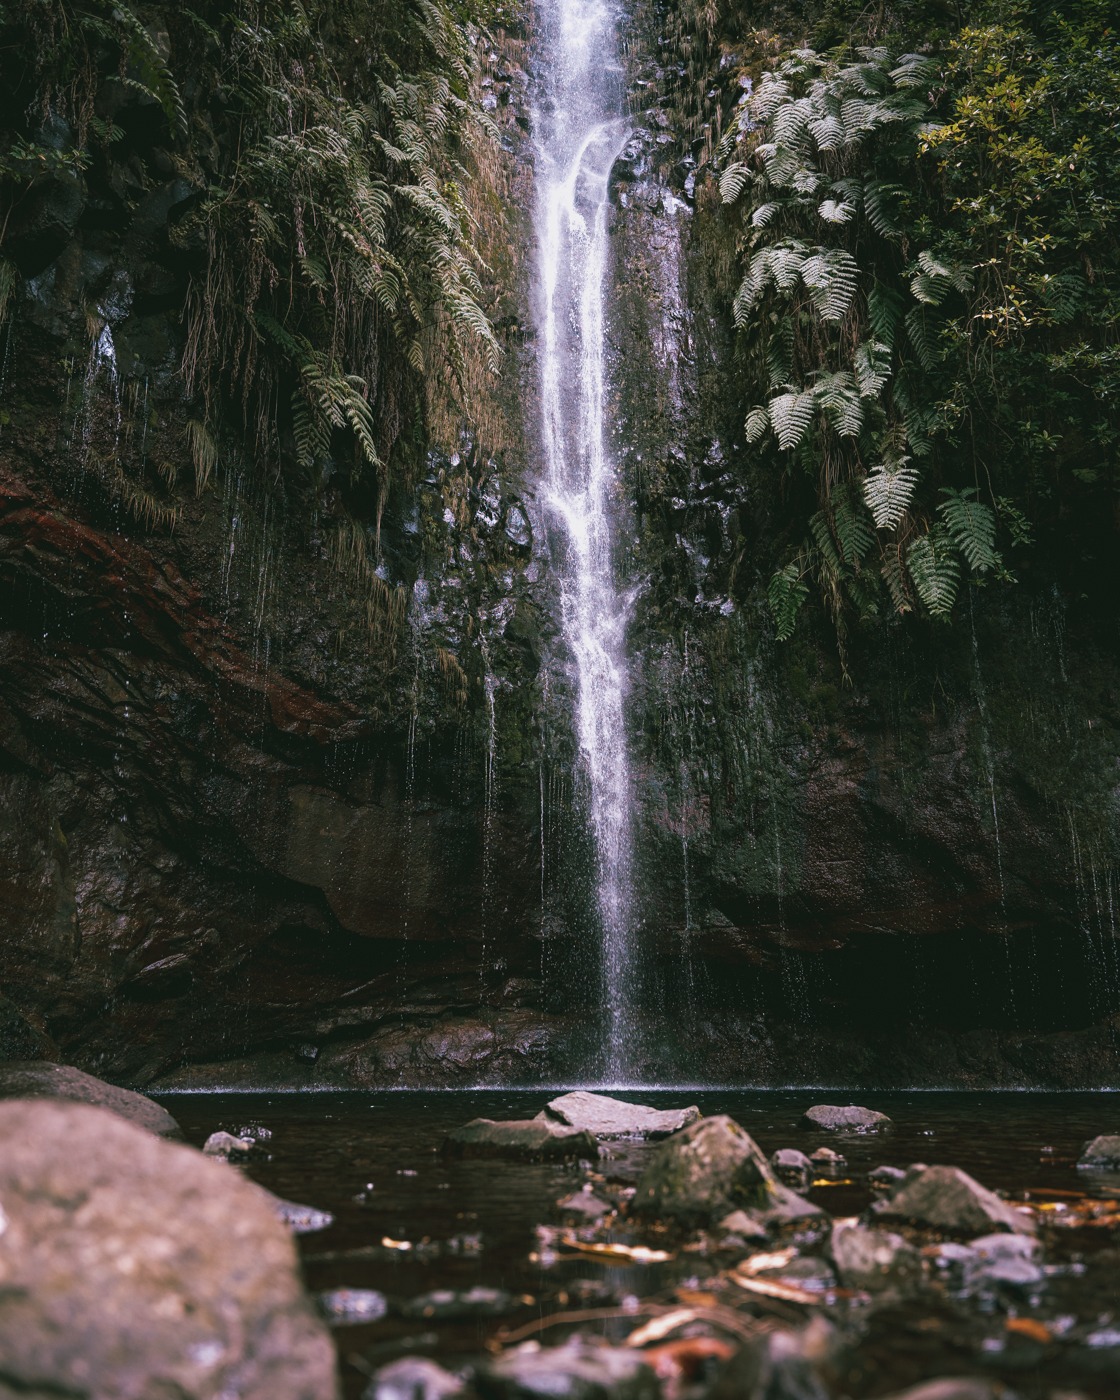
(791, 415)
(786, 594)
(934, 568)
(831, 276)
(853, 530)
(889, 492)
(972, 527)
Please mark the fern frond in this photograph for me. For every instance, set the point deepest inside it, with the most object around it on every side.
(889, 492)
(791, 415)
(935, 571)
(786, 594)
(972, 527)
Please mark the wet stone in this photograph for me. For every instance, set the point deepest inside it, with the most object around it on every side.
(580, 1370)
(710, 1169)
(828, 1161)
(957, 1388)
(834, 1118)
(40, 1079)
(529, 1140)
(412, 1378)
(886, 1178)
(223, 1144)
(301, 1219)
(614, 1119)
(744, 1227)
(446, 1305)
(875, 1261)
(1003, 1263)
(348, 1307)
(1102, 1154)
(583, 1206)
(949, 1199)
(792, 1167)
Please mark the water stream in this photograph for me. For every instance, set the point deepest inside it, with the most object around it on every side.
(580, 133)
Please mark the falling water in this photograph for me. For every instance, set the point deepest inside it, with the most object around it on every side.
(580, 135)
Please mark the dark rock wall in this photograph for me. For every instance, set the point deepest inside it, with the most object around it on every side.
(245, 836)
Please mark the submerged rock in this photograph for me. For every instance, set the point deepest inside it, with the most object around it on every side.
(613, 1119)
(300, 1219)
(949, 1199)
(133, 1267)
(222, 1144)
(582, 1369)
(877, 1261)
(584, 1206)
(1101, 1155)
(347, 1307)
(526, 1140)
(711, 1168)
(412, 1378)
(834, 1118)
(446, 1305)
(39, 1079)
(957, 1388)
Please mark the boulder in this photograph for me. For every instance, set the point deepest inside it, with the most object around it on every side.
(743, 1227)
(834, 1118)
(613, 1119)
(584, 1206)
(581, 1369)
(412, 1378)
(876, 1261)
(1003, 1264)
(528, 1140)
(778, 1365)
(40, 1079)
(710, 1169)
(1101, 1155)
(132, 1267)
(949, 1199)
(886, 1178)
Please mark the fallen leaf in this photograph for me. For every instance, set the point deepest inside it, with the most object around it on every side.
(686, 1356)
(1028, 1327)
(633, 1253)
(402, 1246)
(774, 1288)
(658, 1328)
(762, 1263)
(693, 1299)
(833, 1181)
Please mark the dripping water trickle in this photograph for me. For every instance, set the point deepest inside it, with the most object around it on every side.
(581, 132)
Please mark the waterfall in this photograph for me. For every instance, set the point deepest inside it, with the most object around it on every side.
(580, 133)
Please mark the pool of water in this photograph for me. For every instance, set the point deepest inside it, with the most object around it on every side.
(373, 1161)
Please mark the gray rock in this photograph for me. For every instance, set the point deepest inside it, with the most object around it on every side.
(412, 1378)
(711, 1168)
(584, 1206)
(792, 1167)
(1101, 1155)
(300, 1219)
(876, 1261)
(528, 1140)
(776, 1366)
(743, 1226)
(949, 1199)
(613, 1119)
(957, 1388)
(133, 1267)
(222, 1144)
(39, 1079)
(1003, 1263)
(886, 1178)
(582, 1369)
(446, 1305)
(833, 1118)
(348, 1307)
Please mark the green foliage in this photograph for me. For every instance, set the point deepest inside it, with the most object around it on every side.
(930, 274)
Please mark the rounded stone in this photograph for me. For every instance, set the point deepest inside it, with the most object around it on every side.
(132, 1267)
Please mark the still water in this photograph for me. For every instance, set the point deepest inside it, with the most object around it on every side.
(373, 1161)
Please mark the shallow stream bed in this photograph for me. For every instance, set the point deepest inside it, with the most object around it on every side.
(407, 1222)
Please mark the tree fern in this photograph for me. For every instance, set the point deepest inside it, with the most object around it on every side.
(889, 493)
(972, 527)
(935, 570)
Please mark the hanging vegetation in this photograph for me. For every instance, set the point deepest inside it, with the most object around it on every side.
(928, 305)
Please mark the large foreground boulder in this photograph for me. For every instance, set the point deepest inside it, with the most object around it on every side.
(520, 1140)
(40, 1079)
(949, 1199)
(614, 1119)
(132, 1268)
(711, 1168)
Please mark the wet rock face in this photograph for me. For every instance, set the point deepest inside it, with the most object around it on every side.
(133, 1267)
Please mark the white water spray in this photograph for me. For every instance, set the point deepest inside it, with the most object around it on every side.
(580, 133)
